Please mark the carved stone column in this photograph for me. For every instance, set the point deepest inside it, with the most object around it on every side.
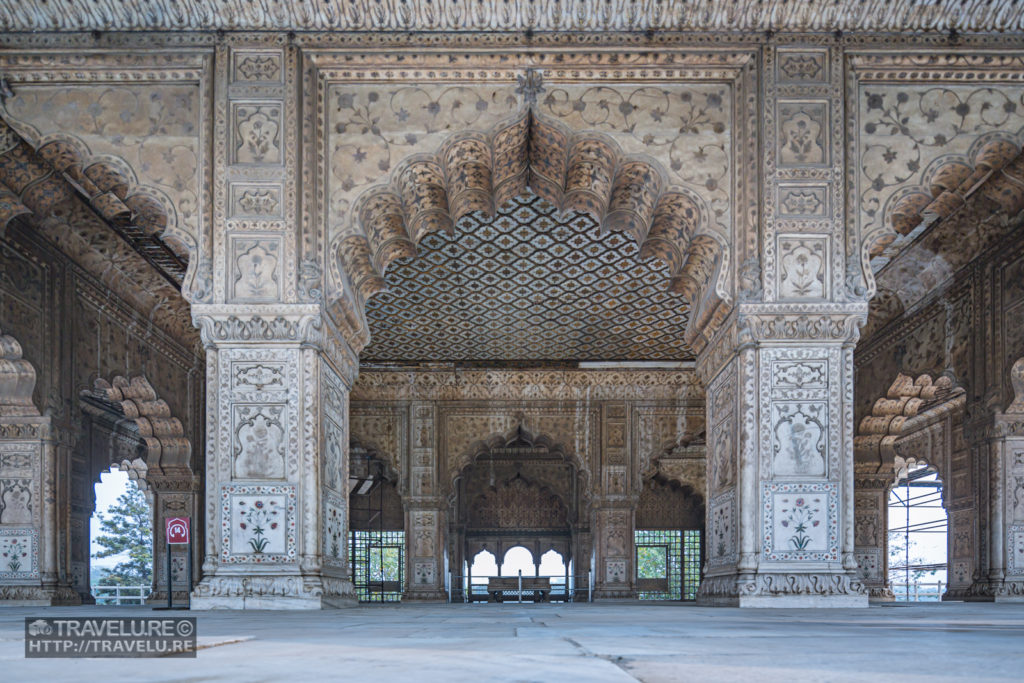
(780, 513)
(30, 572)
(277, 461)
(426, 512)
(173, 497)
(612, 527)
(779, 372)
(1004, 578)
(870, 539)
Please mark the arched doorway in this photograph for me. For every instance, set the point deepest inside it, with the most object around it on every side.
(669, 540)
(376, 530)
(517, 502)
(121, 541)
(918, 534)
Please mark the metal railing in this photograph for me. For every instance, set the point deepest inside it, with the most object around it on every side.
(121, 595)
(918, 591)
(579, 589)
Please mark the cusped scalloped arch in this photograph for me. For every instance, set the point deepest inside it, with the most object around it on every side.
(994, 166)
(168, 451)
(583, 172)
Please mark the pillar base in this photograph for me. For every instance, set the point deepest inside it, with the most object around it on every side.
(425, 596)
(783, 590)
(282, 592)
(37, 596)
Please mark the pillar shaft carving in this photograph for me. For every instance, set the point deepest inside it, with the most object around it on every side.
(33, 568)
(277, 459)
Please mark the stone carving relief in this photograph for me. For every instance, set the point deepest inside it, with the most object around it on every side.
(497, 16)
(1015, 550)
(800, 436)
(262, 523)
(258, 376)
(518, 504)
(615, 571)
(803, 133)
(334, 476)
(723, 465)
(151, 132)
(803, 200)
(257, 133)
(256, 200)
(925, 145)
(869, 564)
(866, 529)
(257, 67)
(16, 501)
(256, 270)
(424, 572)
(722, 530)
(334, 528)
(803, 66)
(525, 385)
(259, 441)
(381, 429)
(424, 534)
(803, 270)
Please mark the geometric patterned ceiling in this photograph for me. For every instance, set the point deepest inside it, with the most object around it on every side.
(526, 286)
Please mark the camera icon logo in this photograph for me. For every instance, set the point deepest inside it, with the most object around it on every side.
(40, 627)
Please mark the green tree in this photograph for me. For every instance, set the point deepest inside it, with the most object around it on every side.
(127, 528)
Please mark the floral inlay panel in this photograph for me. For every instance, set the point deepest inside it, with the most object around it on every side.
(801, 521)
(257, 524)
(19, 554)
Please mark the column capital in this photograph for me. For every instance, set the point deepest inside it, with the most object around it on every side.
(304, 325)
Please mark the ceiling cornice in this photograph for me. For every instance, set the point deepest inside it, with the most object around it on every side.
(964, 16)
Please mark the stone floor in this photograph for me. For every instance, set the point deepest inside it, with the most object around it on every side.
(596, 642)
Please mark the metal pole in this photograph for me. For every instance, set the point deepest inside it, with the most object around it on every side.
(188, 587)
(906, 539)
(170, 581)
(520, 600)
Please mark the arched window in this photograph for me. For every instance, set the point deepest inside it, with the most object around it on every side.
(518, 559)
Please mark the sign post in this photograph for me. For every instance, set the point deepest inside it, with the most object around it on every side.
(178, 532)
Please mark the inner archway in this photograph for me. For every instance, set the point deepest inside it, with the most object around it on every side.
(121, 541)
(376, 540)
(518, 500)
(918, 534)
(668, 540)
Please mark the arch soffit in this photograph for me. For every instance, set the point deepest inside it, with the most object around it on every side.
(909, 407)
(165, 452)
(392, 472)
(17, 380)
(576, 171)
(41, 173)
(504, 440)
(990, 172)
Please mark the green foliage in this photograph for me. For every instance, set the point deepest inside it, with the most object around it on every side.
(651, 562)
(127, 528)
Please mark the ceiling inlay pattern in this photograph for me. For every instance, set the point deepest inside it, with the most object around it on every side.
(527, 286)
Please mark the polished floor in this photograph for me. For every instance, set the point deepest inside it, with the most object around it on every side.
(565, 643)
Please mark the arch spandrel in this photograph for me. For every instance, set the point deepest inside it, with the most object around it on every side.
(163, 450)
(657, 159)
